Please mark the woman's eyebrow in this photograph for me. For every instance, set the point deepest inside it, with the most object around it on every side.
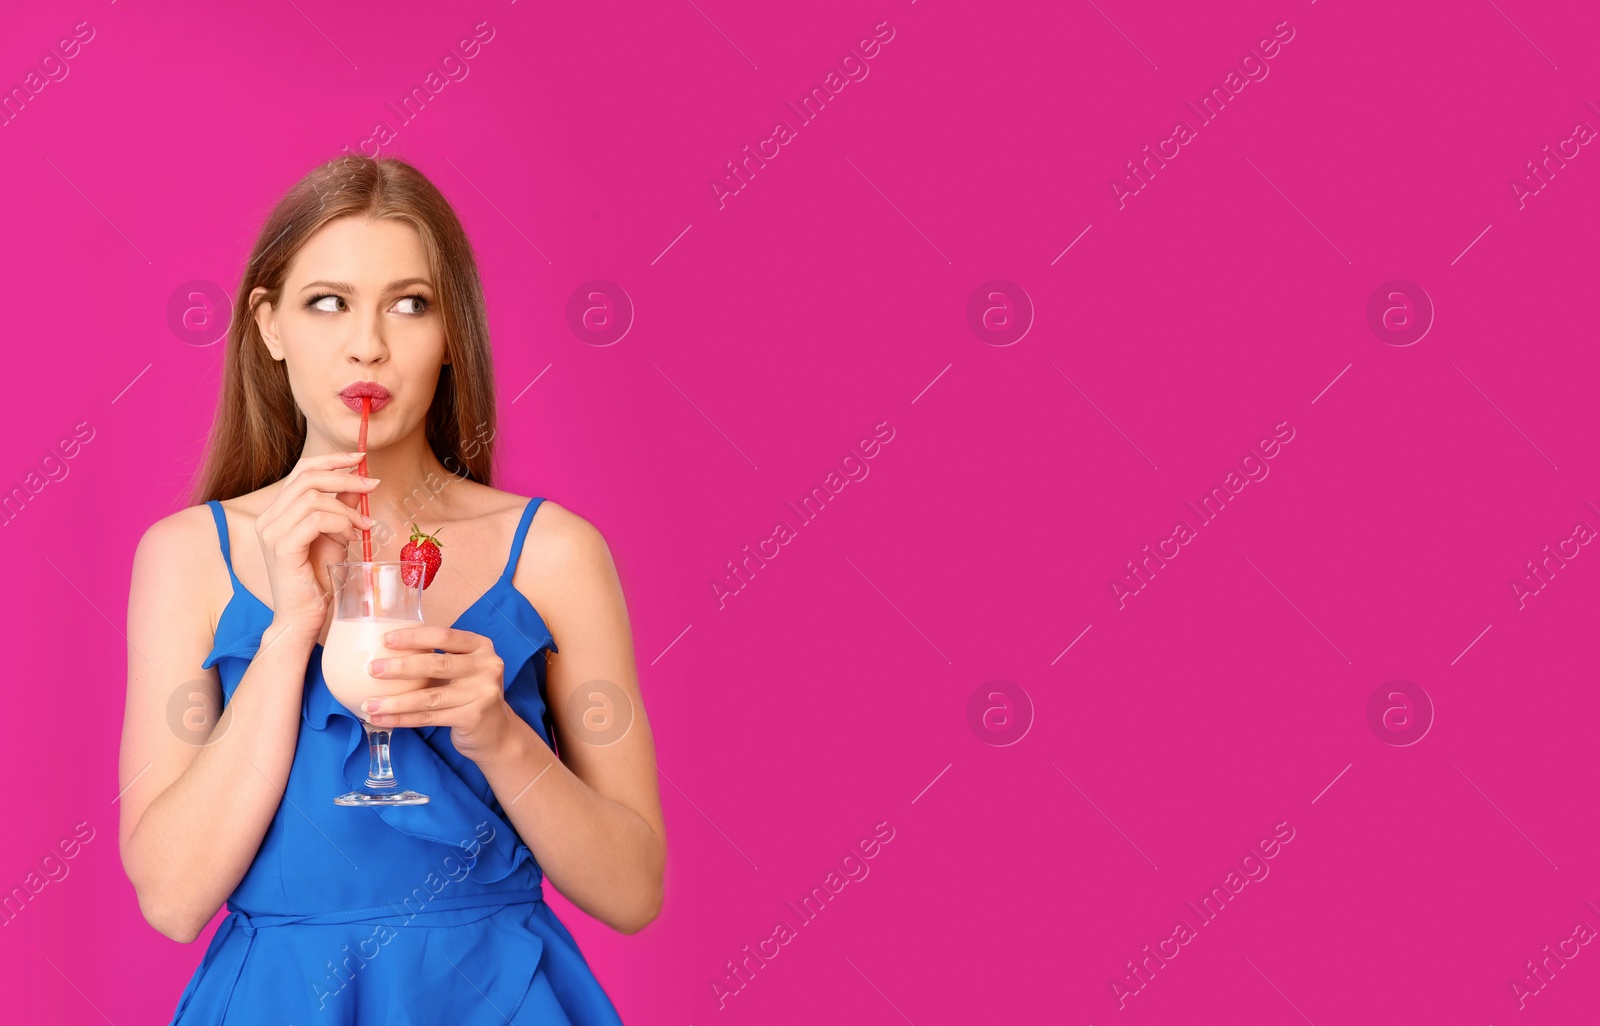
(344, 286)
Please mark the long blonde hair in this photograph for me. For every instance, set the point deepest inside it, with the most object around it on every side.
(259, 432)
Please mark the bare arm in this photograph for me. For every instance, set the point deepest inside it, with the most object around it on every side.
(192, 822)
(593, 817)
(198, 804)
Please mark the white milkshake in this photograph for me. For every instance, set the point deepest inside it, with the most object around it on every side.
(351, 645)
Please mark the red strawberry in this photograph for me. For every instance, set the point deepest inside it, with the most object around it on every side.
(423, 547)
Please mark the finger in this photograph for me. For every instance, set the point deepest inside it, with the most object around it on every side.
(431, 718)
(449, 639)
(311, 504)
(313, 501)
(336, 501)
(329, 482)
(300, 507)
(319, 523)
(439, 665)
(445, 696)
(327, 461)
(336, 461)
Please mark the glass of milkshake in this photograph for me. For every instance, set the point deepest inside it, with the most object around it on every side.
(369, 600)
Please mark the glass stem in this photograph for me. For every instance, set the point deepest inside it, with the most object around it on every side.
(380, 772)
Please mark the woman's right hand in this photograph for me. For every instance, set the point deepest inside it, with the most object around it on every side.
(310, 523)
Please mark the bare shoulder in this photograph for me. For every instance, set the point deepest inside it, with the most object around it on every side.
(565, 561)
(568, 575)
(560, 538)
(184, 540)
(182, 547)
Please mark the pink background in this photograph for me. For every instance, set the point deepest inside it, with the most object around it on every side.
(832, 692)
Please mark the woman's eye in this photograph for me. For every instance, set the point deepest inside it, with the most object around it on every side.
(320, 303)
(420, 301)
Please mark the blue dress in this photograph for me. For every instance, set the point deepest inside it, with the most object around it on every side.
(421, 914)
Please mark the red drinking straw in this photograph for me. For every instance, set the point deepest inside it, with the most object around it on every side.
(361, 468)
(361, 499)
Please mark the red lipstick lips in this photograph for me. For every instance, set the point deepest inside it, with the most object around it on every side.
(352, 394)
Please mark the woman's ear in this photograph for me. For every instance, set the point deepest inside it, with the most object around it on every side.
(266, 324)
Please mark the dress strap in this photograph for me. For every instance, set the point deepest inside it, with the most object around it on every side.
(517, 540)
(221, 518)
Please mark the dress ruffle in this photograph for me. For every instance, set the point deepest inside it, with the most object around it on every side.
(240, 641)
(425, 760)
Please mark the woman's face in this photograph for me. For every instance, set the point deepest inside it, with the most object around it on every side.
(359, 305)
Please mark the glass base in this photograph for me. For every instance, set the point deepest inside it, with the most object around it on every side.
(379, 791)
(376, 799)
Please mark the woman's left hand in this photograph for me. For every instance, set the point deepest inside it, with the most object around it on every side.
(467, 692)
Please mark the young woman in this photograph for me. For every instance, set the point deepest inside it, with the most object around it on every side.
(362, 281)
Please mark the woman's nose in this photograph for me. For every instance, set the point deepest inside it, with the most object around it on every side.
(366, 344)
